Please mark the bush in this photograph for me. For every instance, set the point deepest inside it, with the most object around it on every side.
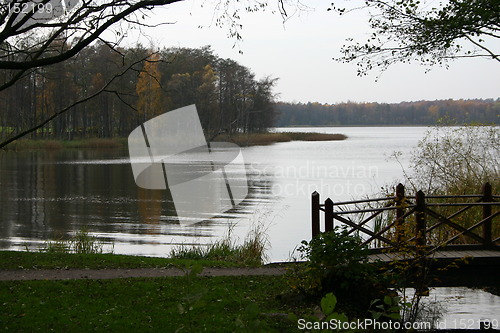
(456, 160)
(337, 262)
(335, 255)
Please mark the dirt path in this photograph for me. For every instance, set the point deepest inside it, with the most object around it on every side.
(74, 274)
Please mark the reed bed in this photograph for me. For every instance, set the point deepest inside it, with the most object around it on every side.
(260, 139)
(42, 144)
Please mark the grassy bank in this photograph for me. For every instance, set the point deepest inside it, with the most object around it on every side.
(43, 260)
(176, 304)
(249, 139)
(185, 304)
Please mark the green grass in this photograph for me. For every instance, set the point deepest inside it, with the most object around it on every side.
(211, 304)
(190, 303)
(43, 260)
(27, 144)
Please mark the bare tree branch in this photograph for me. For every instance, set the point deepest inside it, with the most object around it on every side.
(493, 55)
(37, 60)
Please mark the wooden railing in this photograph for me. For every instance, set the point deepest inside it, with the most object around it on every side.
(432, 227)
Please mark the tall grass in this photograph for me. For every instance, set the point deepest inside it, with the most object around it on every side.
(27, 144)
(266, 138)
(82, 242)
(241, 139)
(449, 161)
(306, 136)
(252, 252)
(457, 161)
(254, 139)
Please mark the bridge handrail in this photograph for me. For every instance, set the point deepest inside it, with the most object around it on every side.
(362, 201)
(404, 208)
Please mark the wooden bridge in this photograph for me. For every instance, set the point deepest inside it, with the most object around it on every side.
(458, 229)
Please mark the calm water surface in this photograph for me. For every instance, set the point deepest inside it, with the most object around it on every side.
(51, 194)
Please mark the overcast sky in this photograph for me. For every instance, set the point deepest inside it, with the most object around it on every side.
(299, 52)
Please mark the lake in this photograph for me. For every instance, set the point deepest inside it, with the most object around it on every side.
(52, 194)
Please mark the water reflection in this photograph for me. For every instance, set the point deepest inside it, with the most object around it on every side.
(462, 308)
(51, 194)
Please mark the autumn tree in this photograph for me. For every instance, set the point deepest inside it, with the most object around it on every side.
(36, 34)
(264, 110)
(149, 91)
(234, 94)
(224, 91)
(40, 33)
(207, 96)
(151, 86)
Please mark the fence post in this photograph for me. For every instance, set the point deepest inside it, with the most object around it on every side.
(487, 197)
(400, 211)
(420, 221)
(315, 213)
(420, 217)
(328, 215)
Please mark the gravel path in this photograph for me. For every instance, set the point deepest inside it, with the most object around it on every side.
(75, 274)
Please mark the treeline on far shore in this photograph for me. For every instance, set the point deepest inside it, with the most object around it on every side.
(484, 111)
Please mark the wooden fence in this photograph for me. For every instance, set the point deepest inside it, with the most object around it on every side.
(396, 228)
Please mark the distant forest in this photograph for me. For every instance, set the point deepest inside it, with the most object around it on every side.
(406, 113)
(227, 95)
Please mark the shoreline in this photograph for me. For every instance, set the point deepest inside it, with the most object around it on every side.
(243, 140)
(262, 139)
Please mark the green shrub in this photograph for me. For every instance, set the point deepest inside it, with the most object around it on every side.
(335, 255)
(336, 262)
